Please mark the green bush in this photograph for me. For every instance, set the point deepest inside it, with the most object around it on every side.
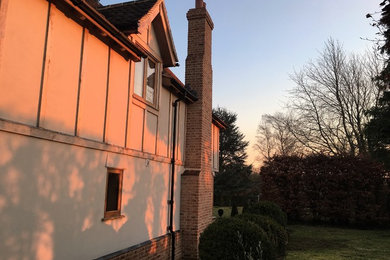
(267, 208)
(277, 234)
(234, 238)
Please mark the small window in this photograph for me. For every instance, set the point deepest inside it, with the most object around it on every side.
(112, 208)
(145, 80)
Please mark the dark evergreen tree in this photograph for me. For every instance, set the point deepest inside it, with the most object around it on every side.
(378, 129)
(232, 183)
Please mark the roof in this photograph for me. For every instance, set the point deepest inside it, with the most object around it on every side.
(218, 122)
(94, 3)
(186, 93)
(84, 13)
(171, 82)
(125, 16)
(131, 17)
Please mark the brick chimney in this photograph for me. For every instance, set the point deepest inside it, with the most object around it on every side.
(197, 181)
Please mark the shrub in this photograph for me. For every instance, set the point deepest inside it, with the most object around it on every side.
(277, 234)
(334, 190)
(267, 208)
(234, 238)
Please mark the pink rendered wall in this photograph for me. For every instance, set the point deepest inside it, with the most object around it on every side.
(136, 127)
(153, 42)
(52, 203)
(150, 133)
(117, 100)
(93, 88)
(164, 123)
(21, 63)
(181, 131)
(74, 77)
(52, 193)
(215, 145)
(59, 97)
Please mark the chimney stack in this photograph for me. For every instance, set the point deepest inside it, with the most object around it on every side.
(197, 182)
(199, 4)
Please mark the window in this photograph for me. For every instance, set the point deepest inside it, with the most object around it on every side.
(112, 207)
(145, 80)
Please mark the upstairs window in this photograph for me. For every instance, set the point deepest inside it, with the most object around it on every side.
(145, 80)
(112, 208)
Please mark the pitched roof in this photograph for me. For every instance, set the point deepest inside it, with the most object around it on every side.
(171, 82)
(186, 93)
(125, 16)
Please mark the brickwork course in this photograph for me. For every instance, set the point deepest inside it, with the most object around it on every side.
(155, 249)
(197, 181)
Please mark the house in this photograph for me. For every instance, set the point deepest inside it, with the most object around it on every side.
(104, 152)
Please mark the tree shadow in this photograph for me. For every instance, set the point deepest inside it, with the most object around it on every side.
(52, 200)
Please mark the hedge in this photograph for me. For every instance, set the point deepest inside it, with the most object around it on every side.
(336, 190)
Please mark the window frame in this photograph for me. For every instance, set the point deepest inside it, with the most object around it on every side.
(113, 214)
(157, 80)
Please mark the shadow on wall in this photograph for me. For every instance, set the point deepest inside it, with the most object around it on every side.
(52, 200)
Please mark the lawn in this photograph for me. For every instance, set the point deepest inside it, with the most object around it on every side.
(317, 242)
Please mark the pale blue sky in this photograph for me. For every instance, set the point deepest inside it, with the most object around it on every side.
(258, 43)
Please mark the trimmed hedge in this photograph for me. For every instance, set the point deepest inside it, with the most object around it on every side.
(234, 238)
(276, 233)
(267, 208)
(334, 190)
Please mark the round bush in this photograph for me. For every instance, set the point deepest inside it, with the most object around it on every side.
(234, 238)
(270, 209)
(276, 233)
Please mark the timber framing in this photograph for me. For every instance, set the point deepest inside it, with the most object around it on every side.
(87, 16)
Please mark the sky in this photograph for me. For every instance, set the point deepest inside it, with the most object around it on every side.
(258, 44)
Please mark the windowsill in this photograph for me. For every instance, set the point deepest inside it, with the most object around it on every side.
(145, 102)
(112, 218)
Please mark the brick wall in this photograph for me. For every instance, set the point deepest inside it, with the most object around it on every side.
(197, 180)
(155, 249)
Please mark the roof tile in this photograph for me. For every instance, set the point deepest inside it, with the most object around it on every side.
(125, 16)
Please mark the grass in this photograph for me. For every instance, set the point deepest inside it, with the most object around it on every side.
(226, 211)
(318, 242)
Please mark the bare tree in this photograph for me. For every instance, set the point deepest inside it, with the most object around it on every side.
(327, 109)
(330, 101)
(275, 138)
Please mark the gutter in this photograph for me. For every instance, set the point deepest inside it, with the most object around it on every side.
(184, 92)
(218, 122)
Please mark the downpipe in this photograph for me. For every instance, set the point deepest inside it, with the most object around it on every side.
(171, 201)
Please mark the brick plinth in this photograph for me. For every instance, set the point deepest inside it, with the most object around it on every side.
(197, 181)
(155, 249)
